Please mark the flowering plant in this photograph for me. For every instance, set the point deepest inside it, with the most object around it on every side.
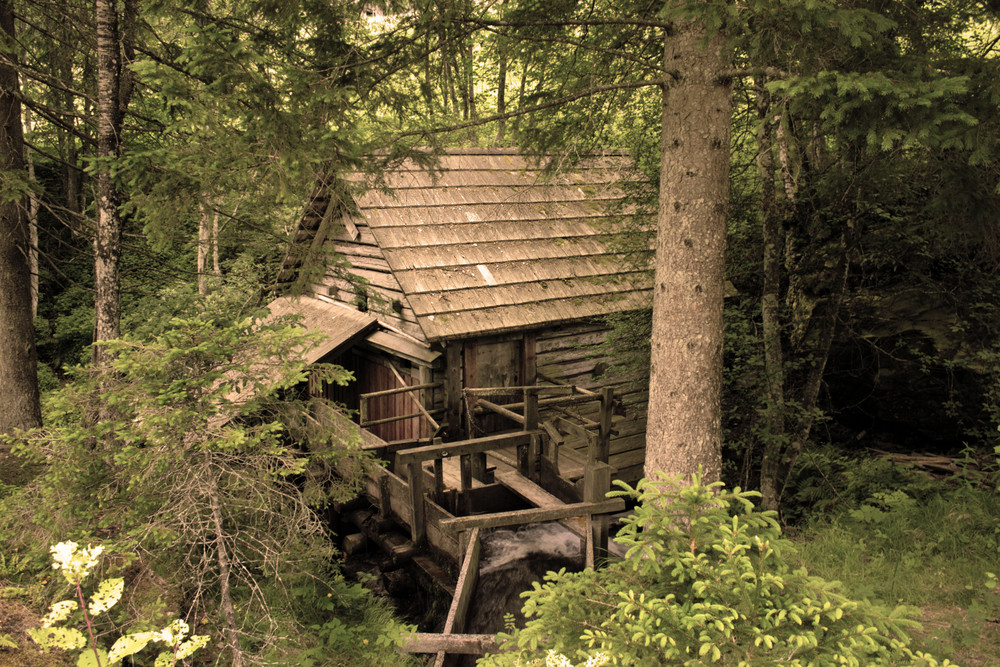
(76, 564)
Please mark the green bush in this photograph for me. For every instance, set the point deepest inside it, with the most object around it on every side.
(706, 580)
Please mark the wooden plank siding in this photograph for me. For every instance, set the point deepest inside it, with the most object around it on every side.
(570, 354)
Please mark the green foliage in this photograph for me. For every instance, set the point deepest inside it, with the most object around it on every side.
(350, 627)
(707, 579)
(76, 564)
(926, 542)
(205, 439)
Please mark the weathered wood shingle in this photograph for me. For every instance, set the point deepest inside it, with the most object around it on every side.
(487, 243)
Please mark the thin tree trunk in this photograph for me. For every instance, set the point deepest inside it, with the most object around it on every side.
(204, 247)
(501, 89)
(222, 558)
(684, 430)
(32, 221)
(774, 358)
(18, 364)
(216, 268)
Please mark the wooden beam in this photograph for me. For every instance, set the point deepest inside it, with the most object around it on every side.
(493, 407)
(453, 390)
(536, 515)
(401, 390)
(604, 430)
(473, 446)
(418, 531)
(432, 642)
(465, 587)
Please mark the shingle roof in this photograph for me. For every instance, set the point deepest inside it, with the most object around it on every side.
(487, 243)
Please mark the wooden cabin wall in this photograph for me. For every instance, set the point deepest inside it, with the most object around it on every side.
(570, 354)
(372, 373)
(355, 243)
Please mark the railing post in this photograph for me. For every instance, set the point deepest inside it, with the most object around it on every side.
(596, 484)
(604, 429)
(418, 530)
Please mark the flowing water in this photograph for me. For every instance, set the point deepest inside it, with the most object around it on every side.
(511, 560)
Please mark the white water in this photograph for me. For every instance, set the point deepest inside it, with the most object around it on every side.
(505, 546)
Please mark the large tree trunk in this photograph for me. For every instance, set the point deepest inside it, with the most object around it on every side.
(113, 94)
(19, 401)
(685, 423)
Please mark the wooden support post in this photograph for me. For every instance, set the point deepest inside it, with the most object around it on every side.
(530, 410)
(604, 430)
(523, 455)
(534, 453)
(453, 390)
(596, 484)
(464, 588)
(439, 481)
(384, 499)
(555, 439)
(479, 470)
(418, 531)
(465, 469)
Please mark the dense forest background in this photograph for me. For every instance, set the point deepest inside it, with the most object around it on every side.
(156, 156)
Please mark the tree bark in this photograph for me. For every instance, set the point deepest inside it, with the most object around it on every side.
(112, 100)
(19, 398)
(775, 438)
(685, 419)
(501, 89)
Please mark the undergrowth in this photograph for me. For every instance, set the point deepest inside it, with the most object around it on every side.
(897, 536)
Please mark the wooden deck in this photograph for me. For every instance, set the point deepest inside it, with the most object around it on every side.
(444, 494)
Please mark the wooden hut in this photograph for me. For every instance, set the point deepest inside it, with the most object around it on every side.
(480, 272)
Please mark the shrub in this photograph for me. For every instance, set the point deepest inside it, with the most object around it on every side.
(706, 580)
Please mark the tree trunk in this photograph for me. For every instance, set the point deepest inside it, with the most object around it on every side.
(112, 99)
(18, 364)
(775, 439)
(204, 247)
(685, 423)
(501, 89)
(32, 221)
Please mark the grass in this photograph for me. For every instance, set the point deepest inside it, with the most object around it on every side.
(933, 546)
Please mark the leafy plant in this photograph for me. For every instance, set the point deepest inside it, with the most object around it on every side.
(76, 564)
(210, 460)
(707, 579)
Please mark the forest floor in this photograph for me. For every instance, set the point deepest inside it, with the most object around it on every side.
(968, 638)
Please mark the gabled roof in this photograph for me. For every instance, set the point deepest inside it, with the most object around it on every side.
(486, 243)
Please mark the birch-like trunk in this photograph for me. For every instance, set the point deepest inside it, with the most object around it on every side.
(685, 418)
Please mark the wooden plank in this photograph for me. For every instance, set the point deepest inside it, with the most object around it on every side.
(465, 587)
(604, 430)
(519, 517)
(500, 410)
(418, 531)
(444, 540)
(597, 483)
(473, 446)
(453, 389)
(460, 644)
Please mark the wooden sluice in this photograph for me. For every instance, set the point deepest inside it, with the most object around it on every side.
(553, 468)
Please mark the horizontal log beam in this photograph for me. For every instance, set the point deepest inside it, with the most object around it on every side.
(401, 390)
(519, 517)
(432, 642)
(474, 446)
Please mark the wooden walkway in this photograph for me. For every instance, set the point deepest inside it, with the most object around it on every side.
(446, 493)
